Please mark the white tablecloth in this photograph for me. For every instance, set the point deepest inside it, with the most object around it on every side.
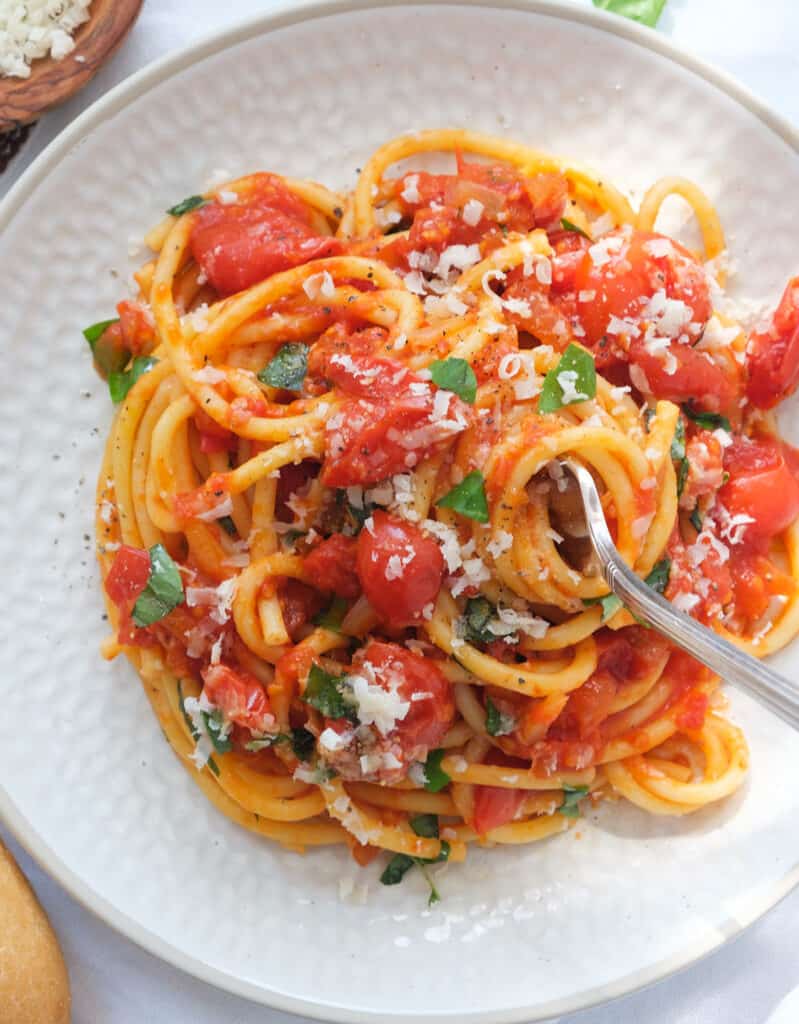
(753, 980)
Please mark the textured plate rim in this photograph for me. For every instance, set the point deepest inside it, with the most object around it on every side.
(285, 14)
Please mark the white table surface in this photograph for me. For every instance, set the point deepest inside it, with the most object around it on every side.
(753, 980)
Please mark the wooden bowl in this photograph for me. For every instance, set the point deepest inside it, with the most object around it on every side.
(52, 81)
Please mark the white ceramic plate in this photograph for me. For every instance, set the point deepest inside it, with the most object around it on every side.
(90, 786)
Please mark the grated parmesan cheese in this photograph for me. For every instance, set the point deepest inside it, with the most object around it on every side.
(38, 28)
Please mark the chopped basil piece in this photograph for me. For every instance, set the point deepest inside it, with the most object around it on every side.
(331, 618)
(682, 475)
(425, 825)
(436, 777)
(610, 605)
(190, 726)
(328, 694)
(303, 744)
(187, 205)
(455, 375)
(214, 724)
(645, 12)
(678, 441)
(396, 869)
(227, 525)
(649, 415)
(706, 420)
(400, 864)
(572, 795)
(579, 365)
(568, 225)
(468, 498)
(164, 590)
(696, 520)
(497, 724)
(287, 368)
(119, 384)
(479, 612)
(658, 580)
(108, 351)
(96, 331)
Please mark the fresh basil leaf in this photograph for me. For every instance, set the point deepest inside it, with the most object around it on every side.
(164, 590)
(468, 498)
(658, 579)
(696, 520)
(331, 618)
(328, 694)
(479, 612)
(572, 795)
(579, 365)
(645, 12)
(119, 384)
(187, 205)
(425, 825)
(303, 744)
(228, 525)
(610, 605)
(682, 475)
(93, 333)
(436, 777)
(706, 420)
(678, 441)
(190, 725)
(649, 415)
(214, 723)
(455, 375)
(287, 368)
(435, 895)
(568, 225)
(397, 868)
(497, 724)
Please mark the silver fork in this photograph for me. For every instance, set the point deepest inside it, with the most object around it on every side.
(767, 687)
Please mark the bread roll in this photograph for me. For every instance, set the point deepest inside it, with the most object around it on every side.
(34, 985)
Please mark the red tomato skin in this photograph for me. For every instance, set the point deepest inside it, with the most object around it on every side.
(267, 231)
(398, 599)
(773, 354)
(136, 326)
(331, 566)
(128, 574)
(239, 695)
(427, 721)
(294, 478)
(589, 705)
(696, 378)
(494, 807)
(622, 285)
(761, 485)
(370, 440)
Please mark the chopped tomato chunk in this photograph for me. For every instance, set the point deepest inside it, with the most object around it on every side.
(428, 717)
(240, 697)
(136, 326)
(625, 270)
(128, 575)
(264, 232)
(773, 353)
(400, 569)
(331, 566)
(762, 487)
(402, 422)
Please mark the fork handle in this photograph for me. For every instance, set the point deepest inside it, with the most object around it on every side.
(768, 687)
